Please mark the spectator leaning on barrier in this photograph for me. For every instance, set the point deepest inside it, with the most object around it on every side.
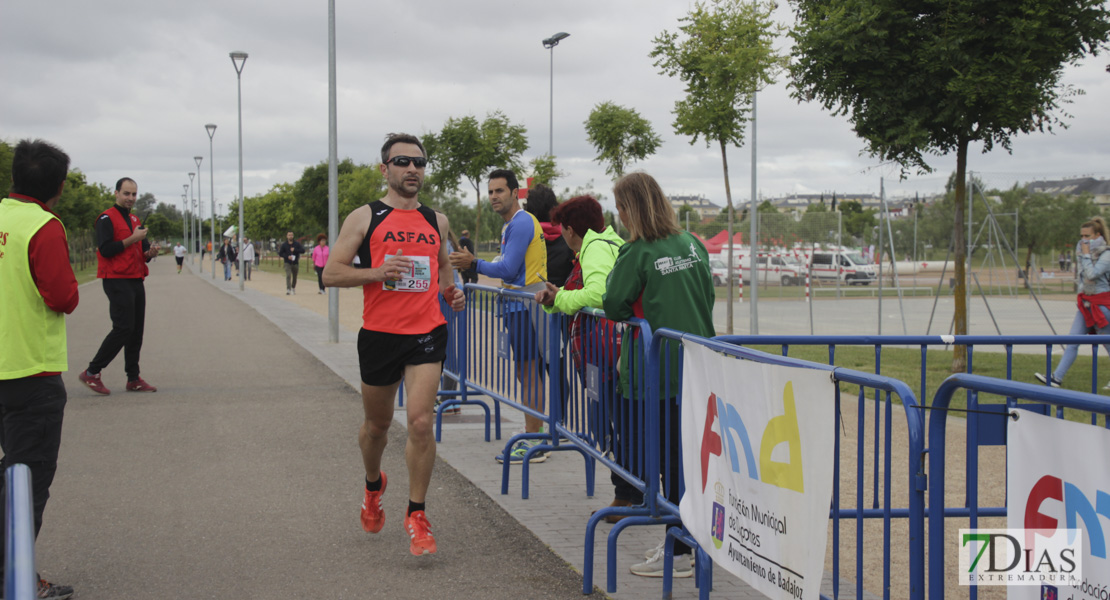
(290, 253)
(541, 202)
(37, 291)
(122, 252)
(522, 265)
(596, 246)
(1093, 278)
(662, 275)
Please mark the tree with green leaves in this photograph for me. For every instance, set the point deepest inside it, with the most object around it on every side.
(724, 54)
(7, 153)
(82, 202)
(468, 149)
(919, 77)
(544, 171)
(620, 136)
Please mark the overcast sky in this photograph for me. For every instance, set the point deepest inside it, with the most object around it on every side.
(126, 87)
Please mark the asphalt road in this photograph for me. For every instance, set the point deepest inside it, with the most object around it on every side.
(241, 476)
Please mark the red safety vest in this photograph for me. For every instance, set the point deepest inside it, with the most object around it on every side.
(129, 264)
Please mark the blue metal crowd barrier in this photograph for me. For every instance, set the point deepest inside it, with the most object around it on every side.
(453, 389)
(913, 510)
(20, 580)
(502, 326)
(1044, 396)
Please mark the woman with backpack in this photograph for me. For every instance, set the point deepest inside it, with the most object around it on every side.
(595, 246)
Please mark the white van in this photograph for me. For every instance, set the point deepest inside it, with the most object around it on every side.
(778, 268)
(853, 268)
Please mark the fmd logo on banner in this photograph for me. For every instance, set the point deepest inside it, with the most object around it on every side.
(757, 460)
(1057, 479)
(1021, 557)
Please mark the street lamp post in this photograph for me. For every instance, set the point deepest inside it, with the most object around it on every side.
(550, 44)
(200, 205)
(188, 242)
(238, 59)
(184, 223)
(193, 203)
(211, 128)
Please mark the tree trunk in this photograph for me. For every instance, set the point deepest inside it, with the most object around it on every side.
(728, 278)
(1028, 265)
(959, 352)
(478, 224)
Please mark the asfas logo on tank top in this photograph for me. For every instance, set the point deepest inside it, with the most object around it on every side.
(410, 237)
(673, 264)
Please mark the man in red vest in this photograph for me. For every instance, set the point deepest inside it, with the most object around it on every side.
(122, 252)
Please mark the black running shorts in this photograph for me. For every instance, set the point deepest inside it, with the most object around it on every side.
(382, 357)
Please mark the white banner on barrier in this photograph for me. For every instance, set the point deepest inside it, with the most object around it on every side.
(1058, 478)
(757, 457)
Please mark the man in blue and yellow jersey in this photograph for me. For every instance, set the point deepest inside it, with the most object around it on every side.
(402, 271)
(37, 291)
(522, 265)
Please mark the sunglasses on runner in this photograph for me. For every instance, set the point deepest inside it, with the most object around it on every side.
(403, 161)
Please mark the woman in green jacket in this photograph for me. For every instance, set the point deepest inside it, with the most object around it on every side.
(663, 276)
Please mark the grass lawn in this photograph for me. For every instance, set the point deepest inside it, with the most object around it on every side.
(905, 365)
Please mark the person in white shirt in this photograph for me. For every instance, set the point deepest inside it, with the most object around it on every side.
(248, 258)
(179, 255)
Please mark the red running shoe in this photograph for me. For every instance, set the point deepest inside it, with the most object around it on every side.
(373, 515)
(94, 382)
(140, 386)
(420, 531)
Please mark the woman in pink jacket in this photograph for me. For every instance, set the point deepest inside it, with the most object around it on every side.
(320, 258)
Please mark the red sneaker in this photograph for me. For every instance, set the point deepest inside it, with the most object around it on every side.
(420, 531)
(373, 515)
(140, 386)
(94, 382)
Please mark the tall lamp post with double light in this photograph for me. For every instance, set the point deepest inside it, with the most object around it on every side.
(238, 59)
(211, 128)
(550, 44)
(188, 211)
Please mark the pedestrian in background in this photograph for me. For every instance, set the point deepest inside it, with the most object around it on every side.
(1093, 300)
(226, 256)
(248, 258)
(320, 259)
(290, 253)
(469, 274)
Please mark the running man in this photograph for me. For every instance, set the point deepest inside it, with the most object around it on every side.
(403, 333)
(179, 255)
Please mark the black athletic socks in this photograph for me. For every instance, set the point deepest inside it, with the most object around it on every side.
(375, 486)
(414, 506)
